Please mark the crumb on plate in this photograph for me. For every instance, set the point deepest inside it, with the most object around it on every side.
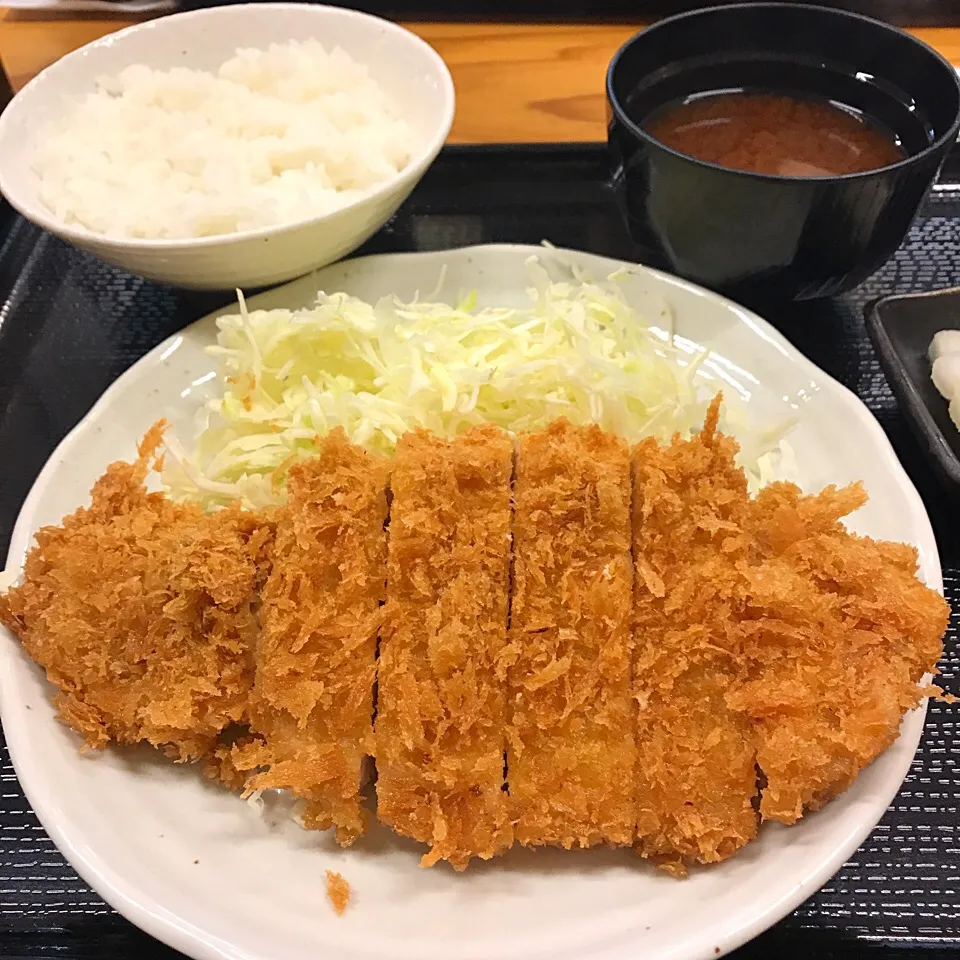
(338, 891)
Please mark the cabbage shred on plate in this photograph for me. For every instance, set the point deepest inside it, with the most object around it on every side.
(577, 350)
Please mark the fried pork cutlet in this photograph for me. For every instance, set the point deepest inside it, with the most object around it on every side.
(771, 654)
(838, 632)
(571, 751)
(141, 611)
(696, 777)
(440, 710)
(312, 701)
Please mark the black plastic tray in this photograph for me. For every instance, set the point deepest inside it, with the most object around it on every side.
(69, 326)
(901, 328)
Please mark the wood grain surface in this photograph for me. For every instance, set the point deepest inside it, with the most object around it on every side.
(514, 82)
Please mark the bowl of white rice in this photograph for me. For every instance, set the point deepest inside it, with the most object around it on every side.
(235, 146)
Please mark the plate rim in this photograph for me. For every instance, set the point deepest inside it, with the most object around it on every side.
(149, 914)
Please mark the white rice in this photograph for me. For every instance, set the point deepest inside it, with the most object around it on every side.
(273, 137)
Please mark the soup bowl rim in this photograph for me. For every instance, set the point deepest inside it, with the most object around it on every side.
(938, 145)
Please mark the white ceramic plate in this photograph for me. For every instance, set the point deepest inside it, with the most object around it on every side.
(201, 870)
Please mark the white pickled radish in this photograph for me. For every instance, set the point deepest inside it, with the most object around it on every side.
(944, 343)
(954, 411)
(946, 375)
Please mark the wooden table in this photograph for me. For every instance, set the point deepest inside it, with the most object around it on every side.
(514, 82)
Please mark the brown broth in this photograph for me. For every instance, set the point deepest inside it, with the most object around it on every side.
(774, 134)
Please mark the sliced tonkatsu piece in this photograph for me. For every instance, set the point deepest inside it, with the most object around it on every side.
(571, 751)
(839, 632)
(440, 711)
(141, 611)
(696, 776)
(312, 702)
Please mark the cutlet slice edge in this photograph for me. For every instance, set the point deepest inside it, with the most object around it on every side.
(706, 825)
(444, 570)
(559, 795)
(316, 666)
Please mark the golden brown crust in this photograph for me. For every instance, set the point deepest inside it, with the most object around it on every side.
(316, 660)
(220, 761)
(838, 633)
(695, 770)
(338, 891)
(141, 611)
(765, 633)
(440, 720)
(571, 751)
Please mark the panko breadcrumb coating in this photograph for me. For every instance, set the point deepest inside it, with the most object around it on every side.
(837, 632)
(440, 712)
(696, 776)
(338, 891)
(141, 611)
(771, 656)
(312, 702)
(571, 751)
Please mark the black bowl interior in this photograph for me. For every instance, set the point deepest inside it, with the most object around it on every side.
(888, 75)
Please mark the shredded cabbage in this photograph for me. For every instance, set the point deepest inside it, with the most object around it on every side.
(578, 350)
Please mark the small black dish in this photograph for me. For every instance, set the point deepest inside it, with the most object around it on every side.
(901, 328)
(770, 237)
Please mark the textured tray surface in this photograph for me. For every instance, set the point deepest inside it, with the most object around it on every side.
(69, 326)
